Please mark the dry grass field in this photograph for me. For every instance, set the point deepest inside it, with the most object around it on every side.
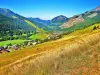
(75, 54)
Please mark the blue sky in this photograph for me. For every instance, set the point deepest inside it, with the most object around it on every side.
(47, 9)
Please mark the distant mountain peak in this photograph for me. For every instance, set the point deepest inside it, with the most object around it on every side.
(60, 18)
(5, 10)
(97, 8)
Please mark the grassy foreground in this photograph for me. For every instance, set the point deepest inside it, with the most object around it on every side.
(75, 54)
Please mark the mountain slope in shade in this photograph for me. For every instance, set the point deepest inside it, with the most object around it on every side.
(9, 29)
(19, 22)
(6, 24)
(8, 13)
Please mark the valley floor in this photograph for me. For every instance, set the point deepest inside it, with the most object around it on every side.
(72, 55)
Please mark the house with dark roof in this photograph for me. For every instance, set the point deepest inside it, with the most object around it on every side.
(3, 50)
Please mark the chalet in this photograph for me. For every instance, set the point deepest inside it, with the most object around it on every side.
(15, 47)
(3, 50)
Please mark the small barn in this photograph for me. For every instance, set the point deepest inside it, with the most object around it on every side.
(3, 50)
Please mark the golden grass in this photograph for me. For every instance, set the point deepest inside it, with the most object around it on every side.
(75, 55)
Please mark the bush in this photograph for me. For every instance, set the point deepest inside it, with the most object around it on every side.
(94, 28)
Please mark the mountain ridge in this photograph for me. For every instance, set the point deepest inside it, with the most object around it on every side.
(15, 24)
(82, 18)
(19, 24)
(97, 8)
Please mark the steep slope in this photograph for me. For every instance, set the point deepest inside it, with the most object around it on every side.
(6, 24)
(8, 13)
(72, 55)
(10, 29)
(19, 20)
(12, 24)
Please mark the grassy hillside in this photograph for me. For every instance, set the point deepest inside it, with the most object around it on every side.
(40, 36)
(81, 21)
(74, 54)
(37, 28)
(14, 24)
(30, 23)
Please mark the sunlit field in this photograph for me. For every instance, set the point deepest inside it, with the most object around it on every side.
(73, 54)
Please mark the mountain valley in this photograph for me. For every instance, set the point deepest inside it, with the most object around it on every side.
(60, 46)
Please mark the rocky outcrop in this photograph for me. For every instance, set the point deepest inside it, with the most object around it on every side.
(72, 21)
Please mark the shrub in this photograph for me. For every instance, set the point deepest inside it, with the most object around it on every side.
(94, 28)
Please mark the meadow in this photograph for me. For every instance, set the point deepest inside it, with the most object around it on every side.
(40, 36)
(3, 43)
